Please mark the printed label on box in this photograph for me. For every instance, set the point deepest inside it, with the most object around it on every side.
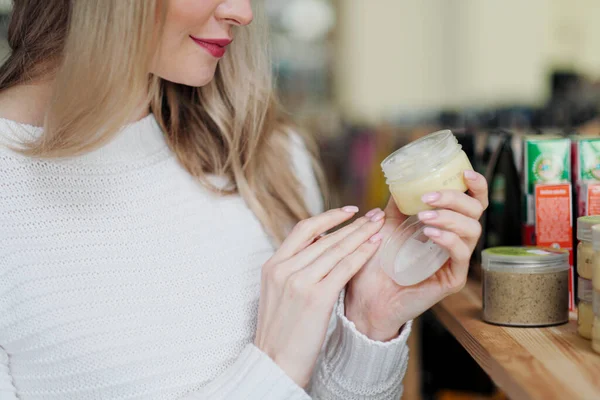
(553, 221)
(592, 199)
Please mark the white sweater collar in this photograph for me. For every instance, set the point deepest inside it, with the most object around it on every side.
(137, 140)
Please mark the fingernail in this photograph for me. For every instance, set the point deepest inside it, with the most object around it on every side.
(371, 213)
(350, 209)
(432, 232)
(376, 238)
(427, 215)
(471, 175)
(431, 197)
(378, 216)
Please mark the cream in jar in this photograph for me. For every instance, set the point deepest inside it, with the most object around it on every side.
(585, 248)
(433, 163)
(585, 253)
(596, 288)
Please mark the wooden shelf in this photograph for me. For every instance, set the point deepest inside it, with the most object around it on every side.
(527, 363)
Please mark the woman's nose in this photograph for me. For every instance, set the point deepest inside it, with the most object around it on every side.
(236, 12)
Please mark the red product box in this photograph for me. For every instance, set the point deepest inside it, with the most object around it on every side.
(554, 223)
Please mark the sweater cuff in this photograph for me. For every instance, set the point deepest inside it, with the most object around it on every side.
(254, 375)
(352, 357)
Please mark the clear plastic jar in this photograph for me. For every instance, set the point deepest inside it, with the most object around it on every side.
(596, 288)
(585, 249)
(585, 314)
(585, 319)
(525, 286)
(596, 325)
(585, 267)
(432, 163)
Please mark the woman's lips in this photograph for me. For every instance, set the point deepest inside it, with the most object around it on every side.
(216, 47)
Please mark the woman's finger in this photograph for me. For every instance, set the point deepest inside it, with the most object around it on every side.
(460, 254)
(311, 253)
(343, 271)
(305, 231)
(323, 265)
(465, 227)
(478, 187)
(456, 201)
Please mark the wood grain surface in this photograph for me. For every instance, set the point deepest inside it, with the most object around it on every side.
(527, 363)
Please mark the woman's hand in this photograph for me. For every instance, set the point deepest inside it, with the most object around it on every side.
(301, 284)
(377, 305)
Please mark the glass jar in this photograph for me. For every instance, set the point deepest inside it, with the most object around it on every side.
(525, 286)
(585, 249)
(596, 288)
(585, 266)
(585, 319)
(433, 163)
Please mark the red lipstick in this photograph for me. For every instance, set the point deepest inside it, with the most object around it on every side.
(216, 47)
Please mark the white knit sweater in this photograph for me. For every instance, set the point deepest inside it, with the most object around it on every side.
(121, 277)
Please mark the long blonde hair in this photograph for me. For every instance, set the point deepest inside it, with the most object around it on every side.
(99, 52)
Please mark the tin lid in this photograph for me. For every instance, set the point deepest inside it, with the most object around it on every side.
(584, 227)
(525, 259)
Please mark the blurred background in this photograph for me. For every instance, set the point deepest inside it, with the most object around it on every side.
(367, 76)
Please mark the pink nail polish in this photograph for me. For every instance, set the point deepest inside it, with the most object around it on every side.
(431, 197)
(378, 216)
(350, 209)
(471, 175)
(427, 215)
(432, 232)
(376, 238)
(371, 213)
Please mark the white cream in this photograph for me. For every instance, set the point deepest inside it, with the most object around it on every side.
(585, 319)
(585, 255)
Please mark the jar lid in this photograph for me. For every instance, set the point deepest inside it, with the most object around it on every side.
(525, 259)
(409, 256)
(420, 156)
(596, 237)
(584, 227)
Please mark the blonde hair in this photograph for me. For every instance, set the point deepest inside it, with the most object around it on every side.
(99, 52)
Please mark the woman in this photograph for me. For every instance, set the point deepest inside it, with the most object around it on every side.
(147, 178)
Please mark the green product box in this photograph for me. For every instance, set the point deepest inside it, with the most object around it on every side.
(586, 159)
(586, 173)
(546, 160)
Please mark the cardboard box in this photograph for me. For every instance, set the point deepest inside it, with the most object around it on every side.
(546, 160)
(547, 190)
(591, 199)
(586, 174)
(554, 223)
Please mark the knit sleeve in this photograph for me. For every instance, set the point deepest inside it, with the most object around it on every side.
(253, 376)
(7, 389)
(354, 367)
(351, 366)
